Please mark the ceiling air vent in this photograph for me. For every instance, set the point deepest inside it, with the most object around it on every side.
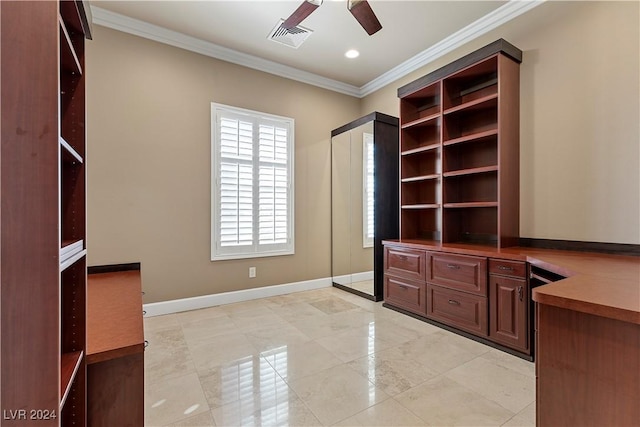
(292, 37)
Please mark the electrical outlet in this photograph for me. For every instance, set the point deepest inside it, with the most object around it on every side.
(252, 272)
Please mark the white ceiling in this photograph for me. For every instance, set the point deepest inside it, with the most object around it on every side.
(413, 33)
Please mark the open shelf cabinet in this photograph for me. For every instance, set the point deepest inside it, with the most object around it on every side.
(44, 275)
(459, 141)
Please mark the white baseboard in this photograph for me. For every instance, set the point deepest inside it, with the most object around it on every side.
(359, 277)
(348, 279)
(204, 301)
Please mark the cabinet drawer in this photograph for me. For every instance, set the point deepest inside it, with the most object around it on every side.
(401, 262)
(405, 294)
(508, 268)
(457, 309)
(460, 272)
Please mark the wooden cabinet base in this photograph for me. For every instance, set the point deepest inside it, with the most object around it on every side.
(587, 369)
(115, 391)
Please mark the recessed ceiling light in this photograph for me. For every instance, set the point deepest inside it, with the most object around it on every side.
(352, 54)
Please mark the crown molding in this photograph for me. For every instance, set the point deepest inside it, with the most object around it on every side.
(492, 20)
(143, 29)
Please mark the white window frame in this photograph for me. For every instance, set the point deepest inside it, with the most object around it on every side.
(368, 204)
(255, 249)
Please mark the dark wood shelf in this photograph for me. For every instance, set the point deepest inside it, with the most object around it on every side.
(421, 149)
(69, 364)
(422, 206)
(475, 104)
(68, 58)
(423, 121)
(471, 205)
(471, 137)
(420, 178)
(471, 171)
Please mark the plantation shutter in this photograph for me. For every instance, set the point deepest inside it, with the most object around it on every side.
(273, 185)
(236, 182)
(252, 210)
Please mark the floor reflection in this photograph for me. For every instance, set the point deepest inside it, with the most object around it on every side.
(372, 366)
(262, 396)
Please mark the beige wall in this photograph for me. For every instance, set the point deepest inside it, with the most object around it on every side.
(149, 137)
(579, 118)
(148, 163)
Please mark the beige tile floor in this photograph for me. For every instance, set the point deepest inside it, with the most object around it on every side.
(326, 357)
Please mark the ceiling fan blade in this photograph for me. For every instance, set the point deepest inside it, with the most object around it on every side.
(362, 11)
(301, 13)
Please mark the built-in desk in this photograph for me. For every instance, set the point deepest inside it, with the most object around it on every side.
(115, 350)
(588, 341)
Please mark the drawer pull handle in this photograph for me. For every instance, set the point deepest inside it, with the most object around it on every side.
(453, 266)
(403, 287)
(453, 302)
(520, 293)
(505, 268)
(402, 257)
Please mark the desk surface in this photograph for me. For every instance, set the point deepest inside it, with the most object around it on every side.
(114, 315)
(599, 284)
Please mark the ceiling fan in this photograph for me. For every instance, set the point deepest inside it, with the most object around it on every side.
(360, 9)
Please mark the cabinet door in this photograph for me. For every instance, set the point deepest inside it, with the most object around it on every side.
(509, 301)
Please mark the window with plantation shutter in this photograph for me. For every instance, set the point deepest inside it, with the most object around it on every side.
(367, 190)
(251, 183)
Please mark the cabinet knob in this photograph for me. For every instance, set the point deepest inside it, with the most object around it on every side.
(146, 344)
(453, 266)
(453, 302)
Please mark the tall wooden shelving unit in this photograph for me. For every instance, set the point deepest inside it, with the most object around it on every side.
(460, 151)
(42, 217)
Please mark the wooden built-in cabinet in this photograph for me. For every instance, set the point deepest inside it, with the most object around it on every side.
(115, 347)
(43, 232)
(459, 188)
